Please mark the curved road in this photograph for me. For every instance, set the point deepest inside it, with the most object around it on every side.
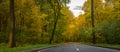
(77, 48)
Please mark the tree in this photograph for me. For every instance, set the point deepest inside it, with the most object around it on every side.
(56, 15)
(12, 28)
(56, 4)
(92, 18)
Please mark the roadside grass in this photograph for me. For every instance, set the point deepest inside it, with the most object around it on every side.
(112, 46)
(29, 47)
(108, 46)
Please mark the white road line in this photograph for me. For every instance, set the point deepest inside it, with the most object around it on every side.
(38, 51)
(42, 50)
(77, 49)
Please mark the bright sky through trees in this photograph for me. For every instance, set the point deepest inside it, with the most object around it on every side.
(75, 6)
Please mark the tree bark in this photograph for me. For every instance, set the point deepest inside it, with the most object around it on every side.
(12, 27)
(92, 18)
(56, 15)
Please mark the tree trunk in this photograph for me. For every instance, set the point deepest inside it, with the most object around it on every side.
(92, 18)
(56, 15)
(0, 24)
(12, 27)
(53, 32)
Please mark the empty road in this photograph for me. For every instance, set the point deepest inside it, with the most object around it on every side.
(77, 48)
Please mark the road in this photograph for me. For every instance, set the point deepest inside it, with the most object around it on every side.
(77, 48)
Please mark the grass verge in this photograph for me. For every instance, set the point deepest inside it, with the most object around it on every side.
(112, 46)
(29, 47)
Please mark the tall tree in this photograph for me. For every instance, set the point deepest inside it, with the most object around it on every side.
(92, 18)
(12, 27)
(56, 15)
(56, 4)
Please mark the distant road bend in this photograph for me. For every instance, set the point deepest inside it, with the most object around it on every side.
(77, 48)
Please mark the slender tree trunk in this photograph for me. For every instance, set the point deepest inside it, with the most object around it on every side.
(56, 15)
(92, 18)
(53, 32)
(42, 33)
(0, 24)
(12, 27)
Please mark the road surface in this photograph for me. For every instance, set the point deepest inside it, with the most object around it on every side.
(77, 48)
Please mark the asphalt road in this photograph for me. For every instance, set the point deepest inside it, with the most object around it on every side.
(77, 48)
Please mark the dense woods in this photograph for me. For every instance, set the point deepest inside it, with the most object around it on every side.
(25, 22)
(106, 19)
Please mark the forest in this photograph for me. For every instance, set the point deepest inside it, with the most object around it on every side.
(31, 22)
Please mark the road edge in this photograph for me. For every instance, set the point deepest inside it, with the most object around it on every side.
(37, 49)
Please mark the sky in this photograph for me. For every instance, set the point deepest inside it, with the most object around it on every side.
(75, 6)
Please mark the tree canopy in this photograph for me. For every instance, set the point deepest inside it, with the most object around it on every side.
(50, 21)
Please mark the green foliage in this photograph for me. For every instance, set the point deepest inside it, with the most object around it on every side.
(106, 21)
(35, 22)
(109, 45)
(28, 47)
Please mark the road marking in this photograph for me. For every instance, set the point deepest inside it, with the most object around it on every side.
(77, 49)
(38, 51)
(42, 50)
